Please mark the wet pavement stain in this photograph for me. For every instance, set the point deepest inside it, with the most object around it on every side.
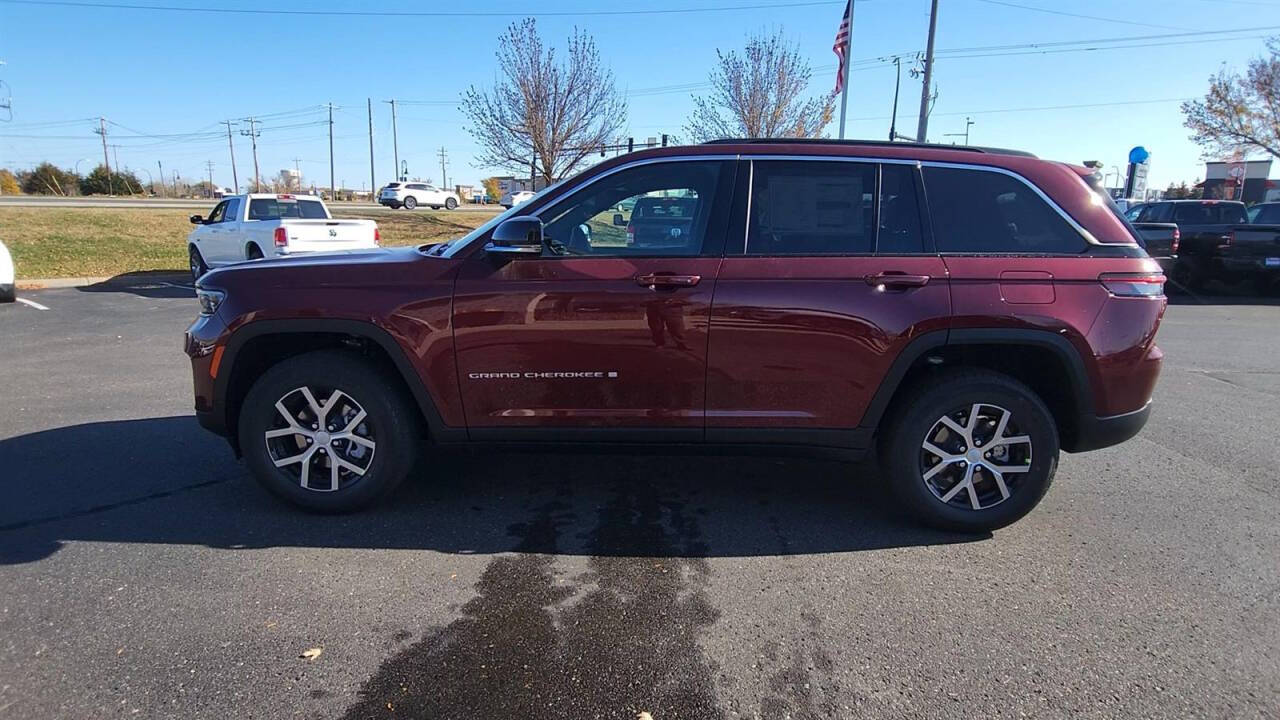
(620, 638)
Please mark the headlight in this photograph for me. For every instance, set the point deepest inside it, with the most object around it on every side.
(209, 300)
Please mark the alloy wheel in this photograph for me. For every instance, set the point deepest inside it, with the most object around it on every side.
(323, 445)
(973, 458)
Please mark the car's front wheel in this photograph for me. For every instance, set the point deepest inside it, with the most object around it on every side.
(328, 431)
(450, 203)
(410, 203)
(198, 266)
(970, 450)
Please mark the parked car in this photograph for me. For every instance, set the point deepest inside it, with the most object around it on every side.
(409, 195)
(8, 282)
(511, 200)
(1215, 241)
(258, 225)
(818, 301)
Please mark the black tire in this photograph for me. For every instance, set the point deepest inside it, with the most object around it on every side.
(945, 393)
(410, 202)
(253, 252)
(8, 293)
(450, 203)
(392, 422)
(198, 265)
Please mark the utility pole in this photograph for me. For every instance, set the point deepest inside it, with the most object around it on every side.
(395, 136)
(922, 133)
(253, 134)
(235, 181)
(444, 179)
(297, 169)
(333, 191)
(102, 130)
(160, 167)
(115, 157)
(373, 181)
(209, 164)
(897, 83)
(968, 123)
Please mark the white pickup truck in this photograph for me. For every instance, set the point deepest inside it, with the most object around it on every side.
(259, 225)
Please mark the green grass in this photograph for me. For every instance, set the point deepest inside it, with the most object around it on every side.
(95, 242)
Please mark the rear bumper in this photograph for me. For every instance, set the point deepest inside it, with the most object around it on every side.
(1094, 433)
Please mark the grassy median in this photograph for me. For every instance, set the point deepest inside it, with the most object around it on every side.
(96, 242)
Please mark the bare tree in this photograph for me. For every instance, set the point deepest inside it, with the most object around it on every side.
(539, 110)
(760, 93)
(1240, 113)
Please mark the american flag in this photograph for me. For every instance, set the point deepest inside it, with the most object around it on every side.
(842, 40)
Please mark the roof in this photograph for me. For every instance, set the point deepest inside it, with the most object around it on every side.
(867, 143)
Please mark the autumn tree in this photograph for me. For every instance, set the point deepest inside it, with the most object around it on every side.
(49, 179)
(491, 188)
(1240, 112)
(541, 109)
(9, 183)
(760, 93)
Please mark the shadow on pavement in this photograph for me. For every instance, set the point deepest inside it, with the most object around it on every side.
(162, 284)
(165, 480)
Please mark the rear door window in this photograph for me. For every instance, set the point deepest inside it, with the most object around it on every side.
(811, 208)
(982, 211)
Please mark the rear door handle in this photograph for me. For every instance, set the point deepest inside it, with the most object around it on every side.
(897, 280)
(654, 281)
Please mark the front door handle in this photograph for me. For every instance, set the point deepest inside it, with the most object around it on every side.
(653, 281)
(897, 280)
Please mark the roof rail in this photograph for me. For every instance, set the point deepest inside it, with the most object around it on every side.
(865, 143)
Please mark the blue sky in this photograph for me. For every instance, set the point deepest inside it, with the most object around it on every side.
(164, 73)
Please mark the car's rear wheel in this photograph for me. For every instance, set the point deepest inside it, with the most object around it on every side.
(8, 293)
(450, 203)
(253, 252)
(410, 202)
(328, 431)
(970, 450)
(198, 266)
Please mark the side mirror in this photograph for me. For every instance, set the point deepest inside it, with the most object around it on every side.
(517, 236)
(618, 220)
(196, 220)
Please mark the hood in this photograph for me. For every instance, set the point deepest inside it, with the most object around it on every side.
(337, 268)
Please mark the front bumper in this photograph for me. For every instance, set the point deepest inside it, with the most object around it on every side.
(203, 343)
(1094, 433)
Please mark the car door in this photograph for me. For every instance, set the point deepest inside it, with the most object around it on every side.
(209, 236)
(230, 238)
(827, 278)
(596, 338)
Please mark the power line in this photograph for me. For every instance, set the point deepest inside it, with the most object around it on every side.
(407, 13)
(1071, 14)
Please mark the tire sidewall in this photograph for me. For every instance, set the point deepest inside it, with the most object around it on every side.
(396, 428)
(450, 204)
(410, 203)
(201, 267)
(1032, 417)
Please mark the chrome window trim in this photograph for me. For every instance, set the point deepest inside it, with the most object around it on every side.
(751, 188)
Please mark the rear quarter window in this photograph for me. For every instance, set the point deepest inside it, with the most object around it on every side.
(982, 211)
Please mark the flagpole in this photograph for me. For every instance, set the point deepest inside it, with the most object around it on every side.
(844, 91)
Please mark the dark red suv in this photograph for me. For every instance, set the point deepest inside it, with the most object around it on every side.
(968, 312)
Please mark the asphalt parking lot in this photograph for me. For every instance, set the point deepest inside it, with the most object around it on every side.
(142, 573)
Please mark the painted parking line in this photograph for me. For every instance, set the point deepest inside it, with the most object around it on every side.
(32, 303)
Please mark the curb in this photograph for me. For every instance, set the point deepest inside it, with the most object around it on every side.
(50, 283)
(124, 280)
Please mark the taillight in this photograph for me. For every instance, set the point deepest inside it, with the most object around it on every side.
(1133, 284)
(1227, 240)
(281, 237)
(631, 234)
(377, 236)
(1177, 237)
